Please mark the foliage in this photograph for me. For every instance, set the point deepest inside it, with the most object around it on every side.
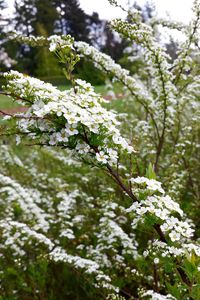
(133, 234)
(60, 17)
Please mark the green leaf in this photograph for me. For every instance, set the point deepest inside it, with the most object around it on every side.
(190, 269)
(150, 172)
(196, 291)
(174, 290)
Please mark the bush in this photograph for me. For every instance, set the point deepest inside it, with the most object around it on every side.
(120, 222)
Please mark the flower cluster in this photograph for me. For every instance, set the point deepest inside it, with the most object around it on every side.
(114, 246)
(184, 63)
(186, 249)
(29, 202)
(150, 294)
(28, 219)
(160, 206)
(81, 122)
(150, 184)
(16, 235)
(31, 39)
(95, 233)
(57, 42)
(157, 64)
(108, 65)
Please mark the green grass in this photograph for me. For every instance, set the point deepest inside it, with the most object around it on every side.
(6, 102)
(98, 89)
(63, 87)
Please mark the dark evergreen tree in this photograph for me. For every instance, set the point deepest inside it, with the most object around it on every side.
(46, 16)
(29, 14)
(5, 53)
(172, 48)
(96, 26)
(38, 18)
(113, 45)
(72, 20)
(147, 10)
(3, 19)
(25, 14)
(2, 24)
(104, 38)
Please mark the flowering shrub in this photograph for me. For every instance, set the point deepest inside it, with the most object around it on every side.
(129, 239)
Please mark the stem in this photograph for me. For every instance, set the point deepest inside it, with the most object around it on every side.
(162, 137)
(177, 78)
(155, 276)
(121, 184)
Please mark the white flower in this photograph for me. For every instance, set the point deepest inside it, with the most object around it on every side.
(102, 157)
(139, 180)
(71, 129)
(156, 260)
(141, 210)
(83, 84)
(151, 184)
(82, 148)
(174, 236)
(52, 46)
(154, 185)
(62, 136)
(7, 117)
(18, 139)
(53, 139)
(145, 253)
